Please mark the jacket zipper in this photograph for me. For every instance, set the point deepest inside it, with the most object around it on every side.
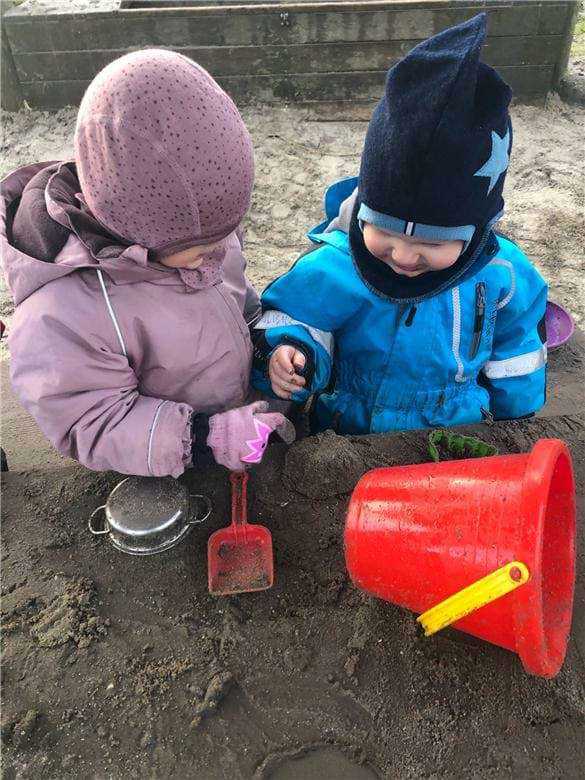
(244, 335)
(401, 311)
(479, 319)
(410, 317)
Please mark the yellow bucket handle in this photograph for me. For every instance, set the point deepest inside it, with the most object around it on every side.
(480, 593)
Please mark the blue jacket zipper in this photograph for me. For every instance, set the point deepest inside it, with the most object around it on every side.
(479, 319)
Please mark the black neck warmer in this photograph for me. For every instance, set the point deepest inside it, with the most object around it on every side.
(380, 278)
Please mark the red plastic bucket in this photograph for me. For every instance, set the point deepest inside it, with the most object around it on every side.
(415, 535)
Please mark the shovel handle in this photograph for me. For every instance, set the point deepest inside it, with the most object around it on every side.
(474, 596)
(239, 480)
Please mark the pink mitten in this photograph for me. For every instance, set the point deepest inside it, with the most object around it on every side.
(239, 437)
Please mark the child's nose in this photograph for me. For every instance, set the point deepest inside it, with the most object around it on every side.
(404, 253)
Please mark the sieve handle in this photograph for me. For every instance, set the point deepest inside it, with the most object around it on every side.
(98, 531)
(208, 505)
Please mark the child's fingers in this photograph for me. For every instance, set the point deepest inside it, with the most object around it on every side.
(279, 423)
(285, 377)
(283, 358)
(280, 391)
(282, 374)
(285, 384)
(289, 359)
(299, 360)
(281, 385)
(295, 361)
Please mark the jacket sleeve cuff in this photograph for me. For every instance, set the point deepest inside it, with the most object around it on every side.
(169, 439)
(201, 454)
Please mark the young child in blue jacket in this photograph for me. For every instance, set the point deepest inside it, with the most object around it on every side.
(410, 311)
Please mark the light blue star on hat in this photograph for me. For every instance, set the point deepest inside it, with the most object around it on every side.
(498, 160)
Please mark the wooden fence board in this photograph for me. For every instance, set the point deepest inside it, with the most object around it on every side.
(10, 90)
(527, 81)
(309, 58)
(127, 30)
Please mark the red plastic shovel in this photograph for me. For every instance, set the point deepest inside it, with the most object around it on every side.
(239, 558)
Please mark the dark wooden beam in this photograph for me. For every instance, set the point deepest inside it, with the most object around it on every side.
(10, 91)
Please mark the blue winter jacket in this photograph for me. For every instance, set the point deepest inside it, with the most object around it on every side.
(474, 350)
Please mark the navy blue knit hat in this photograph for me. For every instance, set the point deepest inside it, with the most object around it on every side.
(438, 143)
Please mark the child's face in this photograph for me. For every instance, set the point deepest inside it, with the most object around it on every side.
(191, 258)
(409, 255)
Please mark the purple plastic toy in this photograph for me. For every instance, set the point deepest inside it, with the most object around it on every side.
(559, 325)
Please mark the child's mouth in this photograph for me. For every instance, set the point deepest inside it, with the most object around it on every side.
(406, 271)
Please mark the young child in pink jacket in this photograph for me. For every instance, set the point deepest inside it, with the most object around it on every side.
(130, 342)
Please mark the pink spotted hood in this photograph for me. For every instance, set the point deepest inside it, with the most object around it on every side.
(163, 157)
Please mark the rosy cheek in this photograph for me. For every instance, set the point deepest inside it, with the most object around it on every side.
(375, 242)
(370, 244)
(380, 248)
(440, 263)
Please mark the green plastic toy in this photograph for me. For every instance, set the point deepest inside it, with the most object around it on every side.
(458, 446)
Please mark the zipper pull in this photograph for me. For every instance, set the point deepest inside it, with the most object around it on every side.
(480, 299)
(410, 318)
(480, 295)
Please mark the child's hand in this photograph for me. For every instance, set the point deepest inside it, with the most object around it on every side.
(281, 370)
(239, 437)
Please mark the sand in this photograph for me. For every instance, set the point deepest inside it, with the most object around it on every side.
(120, 667)
(63, 6)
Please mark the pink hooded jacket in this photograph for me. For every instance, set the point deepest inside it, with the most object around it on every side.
(112, 354)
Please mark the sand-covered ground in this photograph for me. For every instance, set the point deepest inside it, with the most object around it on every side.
(63, 6)
(117, 667)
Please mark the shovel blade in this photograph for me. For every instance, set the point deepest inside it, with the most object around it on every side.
(240, 562)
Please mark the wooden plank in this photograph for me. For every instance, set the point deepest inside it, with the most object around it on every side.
(526, 81)
(256, 27)
(149, 5)
(52, 95)
(10, 92)
(563, 58)
(295, 58)
(262, 6)
(552, 18)
(183, 5)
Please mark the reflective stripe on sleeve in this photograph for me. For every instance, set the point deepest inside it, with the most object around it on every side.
(278, 319)
(516, 366)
